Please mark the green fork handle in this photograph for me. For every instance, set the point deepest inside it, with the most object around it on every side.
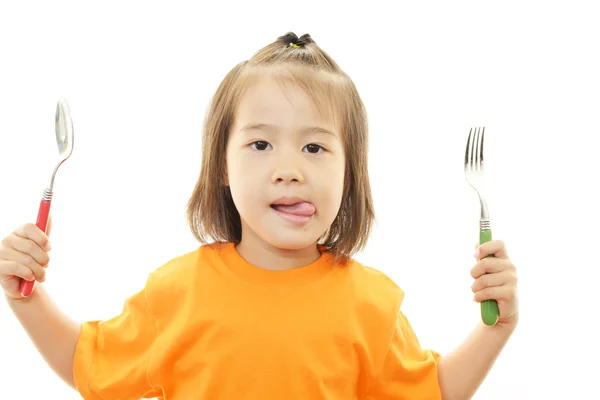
(489, 308)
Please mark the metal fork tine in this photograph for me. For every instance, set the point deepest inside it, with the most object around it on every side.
(467, 150)
(481, 148)
(473, 150)
(477, 149)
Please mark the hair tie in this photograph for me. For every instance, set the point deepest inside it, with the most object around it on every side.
(295, 42)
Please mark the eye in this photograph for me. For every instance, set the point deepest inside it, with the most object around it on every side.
(313, 148)
(260, 145)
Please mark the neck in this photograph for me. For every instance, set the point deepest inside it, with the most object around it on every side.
(262, 254)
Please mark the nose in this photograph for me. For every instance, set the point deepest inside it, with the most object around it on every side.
(287, 170)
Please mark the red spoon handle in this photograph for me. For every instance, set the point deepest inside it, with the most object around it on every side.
(26, 287)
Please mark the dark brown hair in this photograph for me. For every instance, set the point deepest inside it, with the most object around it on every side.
(211, 212)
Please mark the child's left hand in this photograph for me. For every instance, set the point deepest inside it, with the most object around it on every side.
(496, 278)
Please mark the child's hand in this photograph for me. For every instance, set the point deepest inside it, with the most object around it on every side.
(496, 278)
(23, 254)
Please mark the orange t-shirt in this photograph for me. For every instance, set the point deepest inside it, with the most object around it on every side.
(209, 325)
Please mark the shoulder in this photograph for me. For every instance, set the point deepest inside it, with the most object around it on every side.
(180, 264)
(376, 295)
(376, 283)
(181, 272)
(168, 287)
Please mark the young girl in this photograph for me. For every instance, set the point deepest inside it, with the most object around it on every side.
(271, 305)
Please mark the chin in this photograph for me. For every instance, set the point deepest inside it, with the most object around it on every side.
(290, 243)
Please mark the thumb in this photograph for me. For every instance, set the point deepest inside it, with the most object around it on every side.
(49, 225)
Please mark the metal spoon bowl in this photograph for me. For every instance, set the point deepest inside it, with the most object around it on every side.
(63, 126)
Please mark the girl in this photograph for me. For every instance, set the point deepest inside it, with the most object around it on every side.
(271, 305)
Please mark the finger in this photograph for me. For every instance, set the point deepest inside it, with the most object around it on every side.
(13, 268)
(493, 280)
(490, 266)
(32, 232)
(27, 246)
(504, 292)
(496, 248)
(10, 255)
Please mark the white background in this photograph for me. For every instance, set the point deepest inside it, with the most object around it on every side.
(138, 77)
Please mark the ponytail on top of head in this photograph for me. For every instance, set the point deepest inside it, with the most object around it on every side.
(292, 40)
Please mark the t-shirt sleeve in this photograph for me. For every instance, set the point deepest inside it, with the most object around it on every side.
(111, 357)
(409, 372)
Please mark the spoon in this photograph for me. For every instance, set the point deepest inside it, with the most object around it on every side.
(64, 139)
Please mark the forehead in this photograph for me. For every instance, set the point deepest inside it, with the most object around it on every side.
(283, 99)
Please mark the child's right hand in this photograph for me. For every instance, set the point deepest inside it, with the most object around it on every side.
(23, 254)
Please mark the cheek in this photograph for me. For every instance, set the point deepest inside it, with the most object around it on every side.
(244, 181)
(238, 168)
(331, 185)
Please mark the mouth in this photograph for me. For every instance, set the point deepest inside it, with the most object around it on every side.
(294, 209)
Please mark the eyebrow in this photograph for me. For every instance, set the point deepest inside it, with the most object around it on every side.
(269, 127)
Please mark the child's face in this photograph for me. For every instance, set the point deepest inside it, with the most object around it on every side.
(273, 158)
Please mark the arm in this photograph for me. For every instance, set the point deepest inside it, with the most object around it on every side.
(461, 372)
(100, 359)
(53, 333)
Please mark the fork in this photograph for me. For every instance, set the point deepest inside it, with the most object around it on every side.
(474, 175)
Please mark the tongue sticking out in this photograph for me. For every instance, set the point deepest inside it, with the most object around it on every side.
(304, 209)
